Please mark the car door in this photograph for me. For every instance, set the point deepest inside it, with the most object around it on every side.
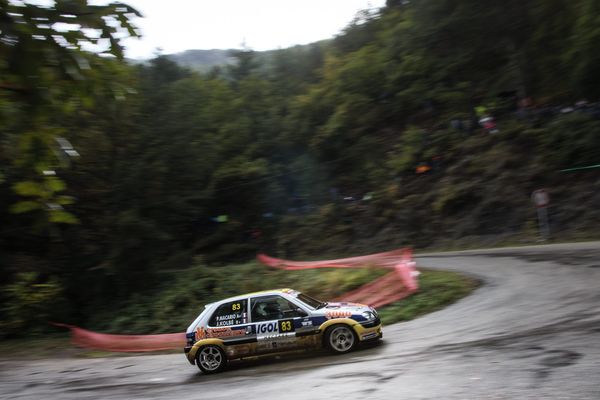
(230, 323)
(275, 320)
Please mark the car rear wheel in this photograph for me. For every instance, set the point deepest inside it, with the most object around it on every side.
(211, 359)
(340, 338)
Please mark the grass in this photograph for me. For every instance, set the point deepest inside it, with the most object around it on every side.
(182, 299)
(178, 303)
(437, 289)
(56, 346)
(38, 347)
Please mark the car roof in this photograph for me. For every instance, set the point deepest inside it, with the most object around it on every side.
(262, 292)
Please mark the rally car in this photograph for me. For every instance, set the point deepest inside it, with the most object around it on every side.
(275, 321)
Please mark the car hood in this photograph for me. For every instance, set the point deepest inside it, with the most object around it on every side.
(343, 309)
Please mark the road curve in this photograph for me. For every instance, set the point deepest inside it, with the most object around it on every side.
(531, 331)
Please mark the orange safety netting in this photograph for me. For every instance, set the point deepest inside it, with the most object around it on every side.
(390, 288)
(386, 259)
(124, 343)
(387, 289)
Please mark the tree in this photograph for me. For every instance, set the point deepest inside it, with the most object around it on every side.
(54, 67)
(583, 53)
(39, 40)
(46, 62)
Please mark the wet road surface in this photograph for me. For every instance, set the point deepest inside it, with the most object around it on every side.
(531, 331)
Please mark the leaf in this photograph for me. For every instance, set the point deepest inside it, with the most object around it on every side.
(63, 217)
(64, 200)
(29, 188)
(24, 207)
(55, 184)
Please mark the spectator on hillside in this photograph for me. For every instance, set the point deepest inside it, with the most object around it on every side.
(489, 124)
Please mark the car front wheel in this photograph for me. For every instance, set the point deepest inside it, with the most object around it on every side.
(340, 338)
(211, 359)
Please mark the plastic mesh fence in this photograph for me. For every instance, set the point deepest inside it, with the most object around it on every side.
(399, 283)
(396, 285)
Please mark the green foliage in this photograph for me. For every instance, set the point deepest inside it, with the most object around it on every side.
(572, 141)
(46, 198)
(179, 303)
(583, 54)
(33, 45)
(174, 307)
(408, 151)
(28, 304)
(437, 289)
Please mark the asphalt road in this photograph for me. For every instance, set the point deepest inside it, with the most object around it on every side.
(532, 331)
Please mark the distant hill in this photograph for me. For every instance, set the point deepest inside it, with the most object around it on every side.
(203, 60)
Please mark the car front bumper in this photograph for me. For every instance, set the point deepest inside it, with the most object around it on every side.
(188, 355)
(371, 332)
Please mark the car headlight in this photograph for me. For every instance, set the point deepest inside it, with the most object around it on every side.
(368, 315)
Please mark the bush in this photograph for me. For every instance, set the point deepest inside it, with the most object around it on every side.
(181, 300)
(28, 304)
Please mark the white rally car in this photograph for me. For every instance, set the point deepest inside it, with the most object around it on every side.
(275, 321)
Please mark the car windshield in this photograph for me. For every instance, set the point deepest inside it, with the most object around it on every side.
(314, 303)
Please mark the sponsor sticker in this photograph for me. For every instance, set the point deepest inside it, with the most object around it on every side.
(282, 326)
(276, 342)
(338, 314)
(268, 327)
(202, 333)
(370, 335)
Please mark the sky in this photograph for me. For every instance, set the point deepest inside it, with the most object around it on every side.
(177, 25)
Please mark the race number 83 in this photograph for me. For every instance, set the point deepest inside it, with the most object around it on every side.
(236, 307)
(286, 326)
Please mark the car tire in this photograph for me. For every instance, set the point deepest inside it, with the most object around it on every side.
(340, 338)
(211, 359)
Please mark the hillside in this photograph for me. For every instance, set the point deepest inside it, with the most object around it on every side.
(203, 60)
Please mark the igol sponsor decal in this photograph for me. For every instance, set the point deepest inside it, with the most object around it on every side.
(268, 327)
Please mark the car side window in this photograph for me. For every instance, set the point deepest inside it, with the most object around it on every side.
(268, 308)
(231, 313)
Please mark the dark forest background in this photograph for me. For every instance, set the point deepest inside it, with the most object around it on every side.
(117, 178)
